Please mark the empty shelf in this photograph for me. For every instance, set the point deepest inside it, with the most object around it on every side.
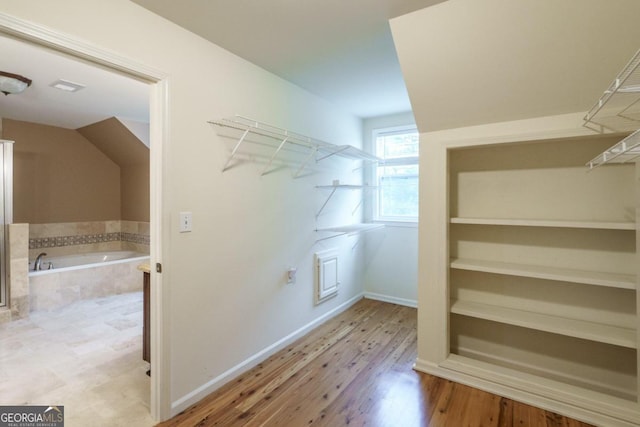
(602, 225)
(612, 280)
(592, 331)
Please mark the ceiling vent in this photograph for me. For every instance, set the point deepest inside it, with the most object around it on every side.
(67, 86)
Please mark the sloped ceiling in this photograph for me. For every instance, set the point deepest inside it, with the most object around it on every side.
(469, 62)
(117, 142)
(340, 50)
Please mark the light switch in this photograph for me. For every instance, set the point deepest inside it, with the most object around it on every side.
(186, 222)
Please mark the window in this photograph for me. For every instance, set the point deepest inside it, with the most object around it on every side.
(397, 176)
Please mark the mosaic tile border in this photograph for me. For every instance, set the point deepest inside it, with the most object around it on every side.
(87, 239)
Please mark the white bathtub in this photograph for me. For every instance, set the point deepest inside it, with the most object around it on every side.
(84, 276)
(79, 261)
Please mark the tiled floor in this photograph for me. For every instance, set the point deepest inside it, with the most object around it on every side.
(86, 356)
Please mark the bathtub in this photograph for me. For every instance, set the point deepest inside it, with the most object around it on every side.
(79, 261)
(84, 276)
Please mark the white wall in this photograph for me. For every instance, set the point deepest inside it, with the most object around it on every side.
(468, 62)
(391, 271)
(226, 279)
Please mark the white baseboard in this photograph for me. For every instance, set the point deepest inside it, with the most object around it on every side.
(209, 387)
(534, 391)
(392, 300)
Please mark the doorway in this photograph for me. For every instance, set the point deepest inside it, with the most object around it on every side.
(157, 81)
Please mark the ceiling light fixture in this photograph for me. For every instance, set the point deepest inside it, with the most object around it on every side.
(67, 86)
(13, 83)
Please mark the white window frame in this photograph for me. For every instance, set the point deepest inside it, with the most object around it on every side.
(396, 220)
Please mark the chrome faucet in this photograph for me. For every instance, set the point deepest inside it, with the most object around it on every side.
(37, 266)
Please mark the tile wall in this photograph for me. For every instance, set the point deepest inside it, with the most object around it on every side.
(81, 237)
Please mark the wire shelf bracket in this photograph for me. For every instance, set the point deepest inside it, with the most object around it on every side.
(335, 187)
(624, 151)
(319, 149)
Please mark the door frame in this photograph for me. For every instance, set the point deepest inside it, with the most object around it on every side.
(158, 81)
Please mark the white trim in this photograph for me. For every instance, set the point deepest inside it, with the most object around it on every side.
(159, 233)
(391, 299)
(215, 383)
(37, 34)
(531, 393)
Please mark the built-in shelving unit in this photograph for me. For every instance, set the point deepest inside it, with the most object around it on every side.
(282, 138)
(541, 277)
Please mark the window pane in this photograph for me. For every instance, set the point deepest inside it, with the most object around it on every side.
(398, 191)
(397, 146)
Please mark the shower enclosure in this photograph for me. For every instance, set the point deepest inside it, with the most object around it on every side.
(6, 211)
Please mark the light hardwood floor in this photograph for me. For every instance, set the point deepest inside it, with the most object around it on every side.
(356, 370)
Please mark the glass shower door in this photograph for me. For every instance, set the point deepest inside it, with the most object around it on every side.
(6, 212)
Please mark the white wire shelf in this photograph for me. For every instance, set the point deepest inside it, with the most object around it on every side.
(316, 148)
(624, 151)
(349, 230)
(618, 109)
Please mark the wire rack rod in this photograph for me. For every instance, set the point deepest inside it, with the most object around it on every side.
(624, 151)
(618, 109)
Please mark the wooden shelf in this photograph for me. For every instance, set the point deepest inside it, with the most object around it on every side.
(612, 280)
(592, 331)
(601, 225)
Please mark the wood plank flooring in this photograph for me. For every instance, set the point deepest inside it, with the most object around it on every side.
(356, 370)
